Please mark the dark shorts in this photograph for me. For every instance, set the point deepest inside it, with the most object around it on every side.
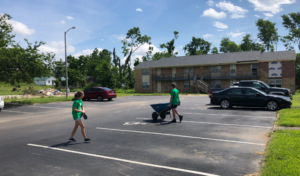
(174, 106)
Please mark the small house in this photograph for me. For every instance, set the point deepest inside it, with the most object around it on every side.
(45, 81)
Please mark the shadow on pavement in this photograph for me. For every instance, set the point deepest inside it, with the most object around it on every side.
(239, 108)
(159, 122)
(66, 144)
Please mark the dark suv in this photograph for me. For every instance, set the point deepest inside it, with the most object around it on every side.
(99, 93)
(260, 85)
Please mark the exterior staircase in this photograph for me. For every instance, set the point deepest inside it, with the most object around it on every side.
(202, 85)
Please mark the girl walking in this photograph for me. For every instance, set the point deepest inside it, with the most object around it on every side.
(77, 109)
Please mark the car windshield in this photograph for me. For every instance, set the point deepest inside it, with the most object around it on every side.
(265, 85)
(260, 91)
(105, 88)
(224, 90)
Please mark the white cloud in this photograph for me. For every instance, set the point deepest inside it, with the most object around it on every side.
(219, 30)
(220, 25)
(207, 35)
(69, 17)
(62, 22)
(273, 6)
(210, 2)
(118, 37)
(58, 48)
(139, 10)
(20, 28)
(86, 52)
(214, 14)
(268, 15)
(257, 16)
(236, 11)
(235, 35)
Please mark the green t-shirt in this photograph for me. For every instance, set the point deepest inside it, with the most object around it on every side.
(175, 95)
(77, 104)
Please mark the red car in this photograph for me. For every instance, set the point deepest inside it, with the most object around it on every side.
(99, 93)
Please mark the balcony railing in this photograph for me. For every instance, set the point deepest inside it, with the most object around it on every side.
(177, 76)
(231, 75)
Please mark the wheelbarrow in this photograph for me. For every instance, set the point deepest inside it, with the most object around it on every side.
(162, 110)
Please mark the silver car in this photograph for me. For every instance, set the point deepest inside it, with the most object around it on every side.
(1, 103)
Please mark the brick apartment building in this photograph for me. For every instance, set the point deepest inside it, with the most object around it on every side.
(276, 69)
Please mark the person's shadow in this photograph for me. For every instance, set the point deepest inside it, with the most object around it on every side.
(158, 122)
(66, 144)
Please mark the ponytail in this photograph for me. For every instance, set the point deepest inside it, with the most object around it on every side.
(77, 95)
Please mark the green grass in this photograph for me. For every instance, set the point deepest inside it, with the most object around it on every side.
(282, 157)
(290, 117)
(6, 89)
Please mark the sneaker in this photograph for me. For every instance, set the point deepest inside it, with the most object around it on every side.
(72, 140)
(87, 140)
(180, 117)
(173, 121)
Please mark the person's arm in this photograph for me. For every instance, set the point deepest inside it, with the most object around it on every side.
(76, 110)
(171, 99)
(82, 109)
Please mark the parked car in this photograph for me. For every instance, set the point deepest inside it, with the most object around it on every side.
(260, 85)
(99, 93)
(247, 96)
(1, 103)
(235, 84)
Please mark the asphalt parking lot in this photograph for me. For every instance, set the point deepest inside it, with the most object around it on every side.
(125, 141)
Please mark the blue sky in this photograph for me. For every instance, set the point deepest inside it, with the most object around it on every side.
(102, 24)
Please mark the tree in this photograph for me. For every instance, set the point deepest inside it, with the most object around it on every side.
(248, 44)
(134, 40)
(197, 44)
(96, 58)
(77, 70)
(292, 23)
(297, 67)
(17, 64)
(59, 71)
(104, 74)
(136, 62)
(214, 50)
(170, 45)
(267, 33)
(228, 46)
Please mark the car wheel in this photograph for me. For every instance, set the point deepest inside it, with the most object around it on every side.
(109, 99)
(0, 109)
(225, 104)
(154, 116)
(272, 105)
(99, 98)
(89, 99)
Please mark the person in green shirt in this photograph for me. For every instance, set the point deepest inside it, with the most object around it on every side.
(174, 102)
(77, 110)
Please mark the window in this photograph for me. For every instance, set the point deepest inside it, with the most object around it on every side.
(105, 88)
(48, 81)
(215, 69)
(188, 70)
(146, 85)
(186, 84)
(254, 69)
(246, 84)
(145, 72)
(235, 91)
(250, 91)
(37, 81)
(257, 85)
(275, 82)
(216, 84)
(87, 90)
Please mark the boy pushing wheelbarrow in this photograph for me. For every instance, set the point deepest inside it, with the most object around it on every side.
(174, 102)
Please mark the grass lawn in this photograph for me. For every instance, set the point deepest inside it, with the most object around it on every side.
(290, 117)
(282, 156)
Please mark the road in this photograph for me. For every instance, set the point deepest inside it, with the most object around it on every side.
(125, 141)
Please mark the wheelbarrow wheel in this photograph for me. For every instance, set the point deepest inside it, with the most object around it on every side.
(154, 116)
(163, 116)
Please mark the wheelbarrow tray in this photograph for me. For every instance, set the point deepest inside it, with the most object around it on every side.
(161, 107)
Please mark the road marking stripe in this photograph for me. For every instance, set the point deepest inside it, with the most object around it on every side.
(226, 115)
(44, 107)
(17, 112)
(219, 123)
(192, 137)
(124, 160)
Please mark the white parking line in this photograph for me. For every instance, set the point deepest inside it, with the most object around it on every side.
(17, 112)
(175, 135)
(226, 115)
(124, 160)
(226, 124)
(43, 107)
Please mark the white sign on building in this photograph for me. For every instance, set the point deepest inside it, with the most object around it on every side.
(275, 69)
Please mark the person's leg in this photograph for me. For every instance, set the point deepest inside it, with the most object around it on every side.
(80, 123)
(177, 112)
(173, 112)
(74, 129)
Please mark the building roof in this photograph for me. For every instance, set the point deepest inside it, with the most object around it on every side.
(215, 59)
(42, 78)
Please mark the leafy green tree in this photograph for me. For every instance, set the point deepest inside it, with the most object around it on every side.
(292, 23)
(77, 70)
(248, 44)
(104, 74)
(214, 50)
(297, 72)
(228, 46)
(136, 62)
(17, 64)
(195, 45)
(59, 71)
(267, 33)
(134, 40)
(96, 58)
(170, 45)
